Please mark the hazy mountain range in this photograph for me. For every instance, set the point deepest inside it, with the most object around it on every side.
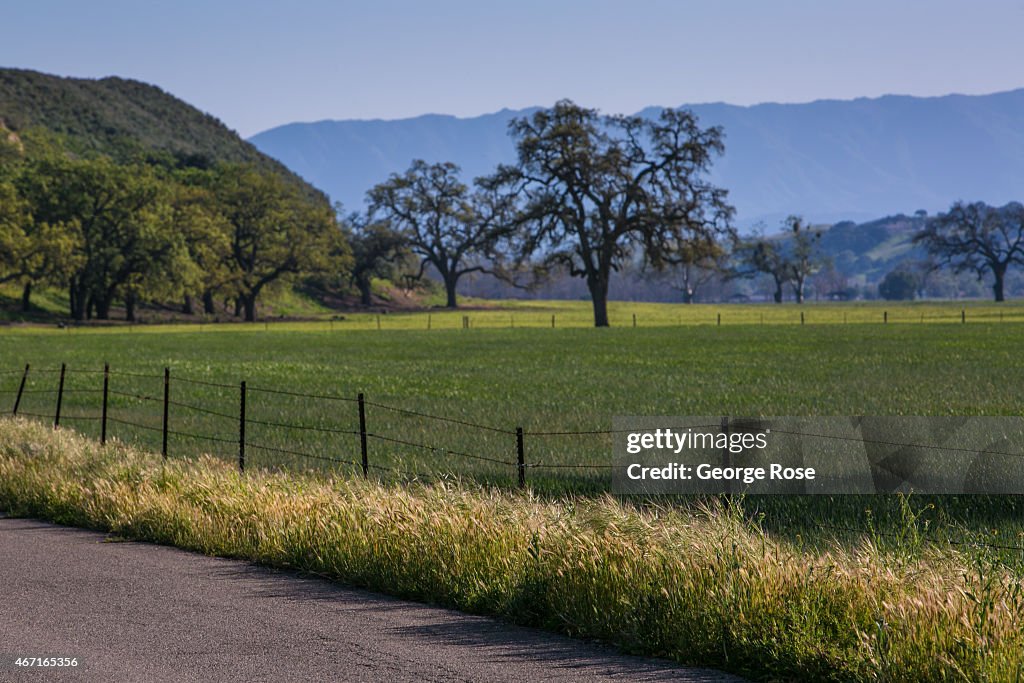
(827, 160)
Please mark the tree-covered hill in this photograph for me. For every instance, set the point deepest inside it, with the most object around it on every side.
(122, 118)
(120, 195)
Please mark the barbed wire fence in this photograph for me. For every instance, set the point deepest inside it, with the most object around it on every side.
(350, 413)
(358, 455)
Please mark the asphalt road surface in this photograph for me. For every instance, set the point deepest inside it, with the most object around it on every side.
(142, 612)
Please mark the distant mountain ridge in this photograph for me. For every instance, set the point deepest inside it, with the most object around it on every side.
(829, 160)
(346, 158)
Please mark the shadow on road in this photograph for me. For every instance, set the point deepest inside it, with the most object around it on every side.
(490, 639)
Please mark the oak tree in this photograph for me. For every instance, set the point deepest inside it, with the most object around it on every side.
(788, 258)
(979, 238)
(276, 231)
(596, 191)
(376, 252)
(113, 215)
(443, 222)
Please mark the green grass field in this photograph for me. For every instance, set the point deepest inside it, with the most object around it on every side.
(572, 378)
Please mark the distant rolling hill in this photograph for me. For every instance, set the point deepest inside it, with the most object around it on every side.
(827, 160)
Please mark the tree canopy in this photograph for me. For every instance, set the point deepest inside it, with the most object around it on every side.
(273, 232)
(129, 232)
(112, 216)
(899, 285)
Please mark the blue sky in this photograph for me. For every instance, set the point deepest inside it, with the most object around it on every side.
(258, 64)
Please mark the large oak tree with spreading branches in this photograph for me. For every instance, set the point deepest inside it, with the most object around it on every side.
(595, 191)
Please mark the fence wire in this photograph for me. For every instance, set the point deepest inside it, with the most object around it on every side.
(439, 449)
(438, 418)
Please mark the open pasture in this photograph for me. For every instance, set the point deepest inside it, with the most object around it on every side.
(486, 381)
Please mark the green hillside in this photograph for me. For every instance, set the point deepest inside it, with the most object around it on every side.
(873, 248)
(122, 118)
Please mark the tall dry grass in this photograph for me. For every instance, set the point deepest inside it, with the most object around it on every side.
(700, 586)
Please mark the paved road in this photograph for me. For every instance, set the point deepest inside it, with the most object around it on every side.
(141, 612)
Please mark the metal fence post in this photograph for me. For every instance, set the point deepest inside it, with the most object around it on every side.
(60, 396)
(241, 428)
(520, 457)
(103, 414)
(362, 435)
(21, 390)
(167, 400)
(885, 317)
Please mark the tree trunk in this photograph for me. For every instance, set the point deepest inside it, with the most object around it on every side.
(186, 307)
(26, 297)
(450, 281)
(999, 275)
(365, 290)
(208, 307)
(778, 291)
(238, 306)
(77, 302)
(798, 289)
(129, 307)
(249, 302)
(598, 287)
(102, 308)
(687, 289)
